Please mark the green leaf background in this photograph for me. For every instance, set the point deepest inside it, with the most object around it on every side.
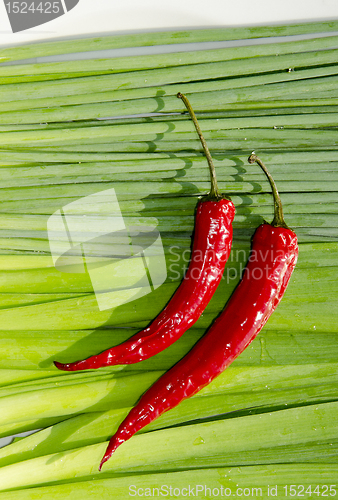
(70, 129)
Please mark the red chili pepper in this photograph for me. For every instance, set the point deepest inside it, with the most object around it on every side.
(273, 257)
(211, 249)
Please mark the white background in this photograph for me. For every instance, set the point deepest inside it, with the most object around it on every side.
(110, 16)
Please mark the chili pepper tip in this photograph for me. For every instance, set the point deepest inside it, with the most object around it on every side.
(69, 367)
(60, 366)
(114, 443)
(105, 458)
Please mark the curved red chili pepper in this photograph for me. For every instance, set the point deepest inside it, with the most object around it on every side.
(211, 249)
(273, 257)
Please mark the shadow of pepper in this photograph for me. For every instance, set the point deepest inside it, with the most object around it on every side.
(159, 100)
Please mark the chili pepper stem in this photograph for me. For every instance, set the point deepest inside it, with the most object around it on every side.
(278, 220)
(214, 191)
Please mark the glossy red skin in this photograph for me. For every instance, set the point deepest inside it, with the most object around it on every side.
(271, 263)
(211, 249)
